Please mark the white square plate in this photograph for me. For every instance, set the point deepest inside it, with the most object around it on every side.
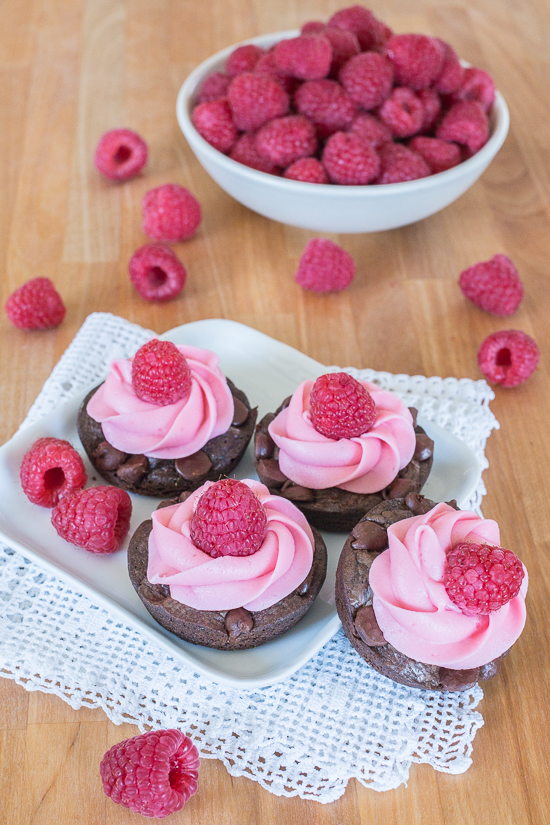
(267, 371)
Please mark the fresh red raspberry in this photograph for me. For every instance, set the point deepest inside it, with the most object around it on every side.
(432, 108)
(417, 59)
(370, 128)
(97, 519)
(340, 406)
(403, 112)
(325, 267)
(304, 57)
(170, 213)
(370, 32)
(286, 139)
(452, 72)
(51, 469)
(243, 59)
(367, 78)
(120, 154)
(245, 152)
(214, 122)
(508, 357)
(313, 27)
(481, 578)
(160, 373)
(229, 520)
(493, 285)
(476, 85)
(214, 87)
(344, 45)
(308, 170)
(156, 272)
(326, 104)
(266, 65)
(466, 123)
(399, 164)
(36, 304)
(438, 154)
(153, 774)
(255, 99)
(349, 160)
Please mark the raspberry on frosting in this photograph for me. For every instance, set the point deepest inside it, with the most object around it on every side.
(465, 123)
(493, 285)
(417, 59)
(481, 578)
(156, 272)
(256, 98)
(340, 406)
(304, 57)
(308, 170)
(326, 104)
(243, 59)
(170, 213)
(325, 267)
(349, 160)
(403, 112)
(160, 373)
(228, 520)
(508, 357)
(120, 154)
(286, 139)
(213, 121)
(368, 79)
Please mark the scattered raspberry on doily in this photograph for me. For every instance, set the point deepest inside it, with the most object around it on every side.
(214, 87)
(286, 139)
(340, 406)
(51, 469)
(481, 578)
(229, 520)
(97, 519)
(153, 774)
(304, 57)
(160, 373)
(36, 304)
(156, 272)
(403, 112)
(465, 123)
(170, 213)
(367, 78)
(243, 59)
(325, 267)
(438, 154)
(493, 285)
(349, 160)
(508, 357)
(308, 170)
(244, 151)
(399, 164)
(213, 121)
(256, 98)
(417, 59)
(120, 154)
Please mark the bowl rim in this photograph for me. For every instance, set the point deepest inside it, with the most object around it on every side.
(500, 114)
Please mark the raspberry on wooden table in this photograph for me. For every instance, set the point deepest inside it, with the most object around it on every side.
(340, 406)
(153, 774)
(170, 213)
(51, 469)
(156, 272)
(213, 122)
(417, 59)
(120, 154)
(481, 578)
(229, 520)
(508, 357)
(325, 267)
(348, 160)
(256, 98)
(36, 304)
(97, 519)
(160, 373)
(493, 285)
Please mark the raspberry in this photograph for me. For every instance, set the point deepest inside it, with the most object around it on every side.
(344, 45)
(432, 108)
(228, 520)
(438, 154)
(170, 213)
(325, 267)
(156, 272)
(286, 139)
(493, 285)
(243, 59)
(326, 104)
(255, 99)
(245, 152)
(403, 112)
(120, 154)
(213, 121)
(480, 578)
(399, 164)
(51, 469)
(452, 72)
(370, 32)
(266, 65)
(308, 170)
(97, 519)
(349, 160)
(313, 27)
(508, 357)
(417, 59)
(304, 57)
(160, 373)
(465, 123)
(214, 87)
(367, 78)
(476, 85)
(370, 128)
(36, 304)
(153, 774)
(340, 406)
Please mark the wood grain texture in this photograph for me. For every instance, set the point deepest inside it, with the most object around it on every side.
(69, 72)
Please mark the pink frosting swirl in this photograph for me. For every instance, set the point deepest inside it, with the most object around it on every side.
(174, 431)
(413, 610)
(365, 464)
(255, 582)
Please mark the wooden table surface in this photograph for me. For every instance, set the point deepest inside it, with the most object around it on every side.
(71, 71)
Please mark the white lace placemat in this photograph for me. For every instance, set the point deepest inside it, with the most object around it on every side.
(333, 719)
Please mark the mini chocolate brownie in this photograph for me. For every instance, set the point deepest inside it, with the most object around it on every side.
(162, 477)
(354, 599)
(335, 509)
(235, 629)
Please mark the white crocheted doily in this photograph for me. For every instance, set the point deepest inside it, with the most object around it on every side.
(333, 719)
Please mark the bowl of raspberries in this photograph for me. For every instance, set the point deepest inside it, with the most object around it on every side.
(342, 126)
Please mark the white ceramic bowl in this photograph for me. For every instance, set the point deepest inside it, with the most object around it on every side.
(331, 208)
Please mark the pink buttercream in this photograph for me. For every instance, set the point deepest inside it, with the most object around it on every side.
(255, 582)
(412, 608)
(365, 464)
(174, 431)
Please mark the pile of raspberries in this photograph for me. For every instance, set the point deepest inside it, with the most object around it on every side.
(347, 102)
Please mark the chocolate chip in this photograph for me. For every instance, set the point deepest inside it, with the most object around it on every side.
(424, 447)
(154, 593)
(366, 627)
(458, 679)
(193, 467)
(270, 473)
(303, 588)
(134, 469)
(368, 535)
(400, 487)
(166, 503)
(185, 495)
(263, 446)
(286, 402)
(294, 492)
(418, 504)
(108, 457)
(238, 621)
(414, 412)
(452, 503)
(240, 413)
